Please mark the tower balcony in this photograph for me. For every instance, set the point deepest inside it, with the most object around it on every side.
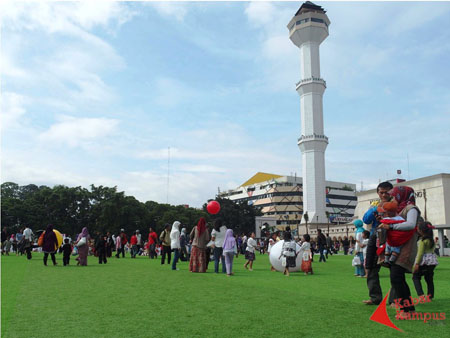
(312, 137)
(314, 143)
(310, 80)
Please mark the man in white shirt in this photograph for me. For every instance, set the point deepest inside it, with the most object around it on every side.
(28, 238)
(250, 251)
(218, 237)
(139, 241)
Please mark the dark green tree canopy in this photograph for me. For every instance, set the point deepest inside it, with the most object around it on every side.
(104, 209)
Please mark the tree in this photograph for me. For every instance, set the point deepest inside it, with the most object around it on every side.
(238, 216)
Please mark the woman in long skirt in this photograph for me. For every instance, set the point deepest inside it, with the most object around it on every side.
(305, 251)
(200, 237)
(83, 250)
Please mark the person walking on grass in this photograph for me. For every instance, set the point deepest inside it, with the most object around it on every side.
(133, 243)
(229, 250)
(322, 243)
(371, 260)
(118, 246)
(305, 251)
(405, 198)
(164, 238)
(175, 243)
(139, 241)
(100, 248)
(426, 260)
(109, 244)
(28, 241)
(250, 251)
(359, 269)
(218, 236)
(288, 253)
(184, 255)
(50, 244)
(200, 237)
(152, 242)
(67, 251)
(83, 250)
(329, 246)
(124, 241)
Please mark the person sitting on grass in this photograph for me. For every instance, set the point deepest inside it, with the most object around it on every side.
(250, 251)
(288, 252)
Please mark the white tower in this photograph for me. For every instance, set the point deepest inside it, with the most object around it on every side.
(307, 29)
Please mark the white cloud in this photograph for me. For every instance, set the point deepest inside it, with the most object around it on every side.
(78, 131)
(260, 13)
(170, 9)
(13, 108)
(63, 16)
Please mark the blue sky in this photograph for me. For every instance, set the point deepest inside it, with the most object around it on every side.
(95, 93)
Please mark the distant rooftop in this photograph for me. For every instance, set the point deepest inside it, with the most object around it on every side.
(308, 6)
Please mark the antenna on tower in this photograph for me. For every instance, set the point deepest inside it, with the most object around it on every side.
(168, 172)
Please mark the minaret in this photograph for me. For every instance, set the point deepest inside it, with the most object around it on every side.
(307, 29)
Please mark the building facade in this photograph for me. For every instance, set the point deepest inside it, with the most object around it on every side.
(281, 198)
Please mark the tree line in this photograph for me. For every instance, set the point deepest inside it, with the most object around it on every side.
(105, 209)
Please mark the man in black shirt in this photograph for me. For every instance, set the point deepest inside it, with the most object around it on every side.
(322, 243)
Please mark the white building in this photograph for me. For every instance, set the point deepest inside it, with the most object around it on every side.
(280, 199)
(307, 29)
(432, 198)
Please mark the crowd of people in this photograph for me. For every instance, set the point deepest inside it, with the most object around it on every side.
(396, 237)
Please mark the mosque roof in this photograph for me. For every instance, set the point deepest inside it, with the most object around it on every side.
(308, 6)
(260, 177)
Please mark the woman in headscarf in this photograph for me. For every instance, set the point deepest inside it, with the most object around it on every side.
(405, 198)
(359, 269)
(229, 250)
(200, 237)
(183, 243)
(50, 244)
(83, 250)
(175, 243)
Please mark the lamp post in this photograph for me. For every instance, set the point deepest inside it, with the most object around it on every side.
(328, 218)
(305, 216)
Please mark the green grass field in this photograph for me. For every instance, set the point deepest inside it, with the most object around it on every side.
(140, 298)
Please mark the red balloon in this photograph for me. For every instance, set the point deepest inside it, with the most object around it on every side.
(213, 207)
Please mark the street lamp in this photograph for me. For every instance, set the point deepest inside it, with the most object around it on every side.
(305, 216)
(327, 214)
